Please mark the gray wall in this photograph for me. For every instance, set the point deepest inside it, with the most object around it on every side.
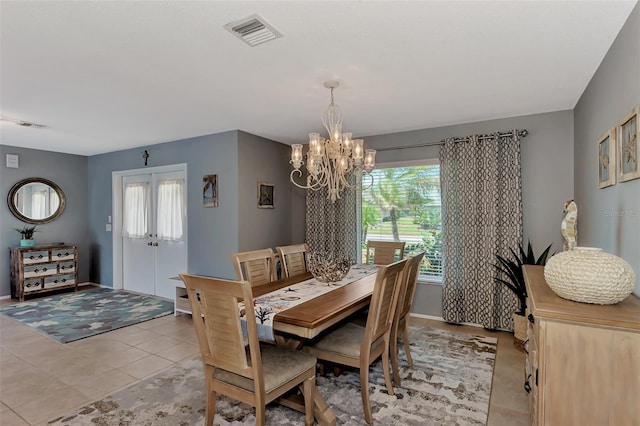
(213, 232)
(262, 160)
(610, 217)
(70, 173)
(547, 176)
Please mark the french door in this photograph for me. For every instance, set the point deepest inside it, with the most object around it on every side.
(154, 230)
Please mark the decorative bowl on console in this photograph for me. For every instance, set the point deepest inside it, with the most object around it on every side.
(589, 275)
(328, 268)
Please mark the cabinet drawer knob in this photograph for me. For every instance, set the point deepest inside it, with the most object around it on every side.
(527, 386)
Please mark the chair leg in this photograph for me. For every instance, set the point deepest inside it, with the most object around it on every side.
(308, 389)
(364, 391)
(405, 340)
(337, 370)
(386, 369)
(210, 408)
(260, 416)
(394, 356)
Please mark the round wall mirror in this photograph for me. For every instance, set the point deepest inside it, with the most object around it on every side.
(36, 200)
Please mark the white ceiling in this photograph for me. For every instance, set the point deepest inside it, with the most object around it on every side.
(104, 76)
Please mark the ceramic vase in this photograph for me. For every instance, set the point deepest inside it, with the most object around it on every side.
(589, 275)
(27, 243)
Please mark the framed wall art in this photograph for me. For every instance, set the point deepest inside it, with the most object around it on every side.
(266, 195)
(210, 191)
(628, 151)
(607, 159)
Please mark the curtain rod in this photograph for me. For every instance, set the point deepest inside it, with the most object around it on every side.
(522, 133)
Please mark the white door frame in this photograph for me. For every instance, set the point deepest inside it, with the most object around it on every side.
(116, 212)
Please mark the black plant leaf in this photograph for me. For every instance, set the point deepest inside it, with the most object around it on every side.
(509, 271)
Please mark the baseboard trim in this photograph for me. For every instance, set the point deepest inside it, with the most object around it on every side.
(435, 318)
(89, 283)
(423, 316)
(472, 324)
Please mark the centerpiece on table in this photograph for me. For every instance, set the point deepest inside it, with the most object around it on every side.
(328, 268)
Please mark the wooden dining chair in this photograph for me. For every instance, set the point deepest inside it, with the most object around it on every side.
(403, 308)
(257, 266)
(257, 377)
(384, 252)
(294, 259)
(358, 346)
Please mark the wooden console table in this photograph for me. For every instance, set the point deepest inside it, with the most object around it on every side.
(583, 360)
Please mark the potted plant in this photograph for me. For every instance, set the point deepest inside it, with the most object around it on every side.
(27, 235)
(509, 273)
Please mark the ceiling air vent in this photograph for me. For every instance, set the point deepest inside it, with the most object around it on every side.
(29, 124)
(253, 30)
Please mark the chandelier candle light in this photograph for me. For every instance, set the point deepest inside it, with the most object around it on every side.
(329, 161)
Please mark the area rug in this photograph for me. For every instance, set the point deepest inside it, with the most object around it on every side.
(74, 316)
(450, 384)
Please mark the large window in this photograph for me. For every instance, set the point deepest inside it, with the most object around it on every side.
(403, 204)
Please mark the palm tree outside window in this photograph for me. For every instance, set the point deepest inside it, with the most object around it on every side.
(403, 204)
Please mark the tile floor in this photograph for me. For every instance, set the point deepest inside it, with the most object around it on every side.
(41, 379)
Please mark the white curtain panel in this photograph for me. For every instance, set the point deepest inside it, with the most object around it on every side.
(481, 216)
(39, 204)
(136, 207)
(171, 211)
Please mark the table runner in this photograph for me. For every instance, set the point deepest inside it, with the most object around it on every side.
(269, 305)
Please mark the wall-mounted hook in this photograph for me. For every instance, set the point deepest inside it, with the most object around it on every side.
(145, 155)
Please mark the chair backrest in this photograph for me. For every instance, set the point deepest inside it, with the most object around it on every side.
(408, 288)
(257, 266)
(216, 317)
(294, 259)
(384, 252)
(383, 303)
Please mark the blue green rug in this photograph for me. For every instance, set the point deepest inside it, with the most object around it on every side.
(70, 317)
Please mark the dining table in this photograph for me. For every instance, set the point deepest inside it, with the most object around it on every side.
(304, 321)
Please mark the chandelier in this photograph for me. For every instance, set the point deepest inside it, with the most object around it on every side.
(331, 161)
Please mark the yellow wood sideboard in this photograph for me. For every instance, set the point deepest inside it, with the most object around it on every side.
(583, 360)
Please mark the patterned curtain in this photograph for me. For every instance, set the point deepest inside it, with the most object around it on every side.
(332, 227)
(481, 216)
